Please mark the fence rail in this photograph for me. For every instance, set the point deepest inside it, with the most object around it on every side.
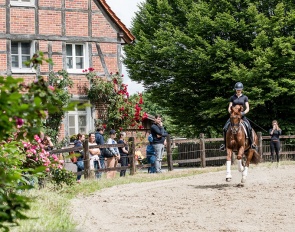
(205, 151)
(186, 152)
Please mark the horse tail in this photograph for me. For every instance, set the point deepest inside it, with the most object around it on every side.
(256, 158)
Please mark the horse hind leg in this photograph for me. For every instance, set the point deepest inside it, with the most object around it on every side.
(244, 175)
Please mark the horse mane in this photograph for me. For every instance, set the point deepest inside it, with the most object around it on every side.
(236, 110)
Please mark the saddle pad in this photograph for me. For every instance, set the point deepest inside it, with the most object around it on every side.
(245, 130)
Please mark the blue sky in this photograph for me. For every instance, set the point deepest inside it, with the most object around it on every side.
(125, 10)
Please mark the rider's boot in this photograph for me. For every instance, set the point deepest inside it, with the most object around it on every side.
(222, 146)
(253, 145)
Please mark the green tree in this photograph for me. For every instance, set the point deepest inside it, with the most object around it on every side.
(189, 55)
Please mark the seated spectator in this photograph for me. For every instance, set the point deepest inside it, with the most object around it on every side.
(46, 141)
(80, 159)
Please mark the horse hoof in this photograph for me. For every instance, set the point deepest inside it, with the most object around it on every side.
(228, 179)
(241, 185)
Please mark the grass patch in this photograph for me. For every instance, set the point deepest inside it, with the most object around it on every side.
(50, 209)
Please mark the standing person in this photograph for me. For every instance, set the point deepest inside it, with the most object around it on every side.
(94, 154)
(239, 99)
(123, 153)
(80, 159)
(275, 144)
(151, 154)
(159, 135)
(112, 161)
(100, 141)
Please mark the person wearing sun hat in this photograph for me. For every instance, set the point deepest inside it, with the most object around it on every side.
(112, 161)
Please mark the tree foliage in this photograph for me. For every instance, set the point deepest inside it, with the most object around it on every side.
(189, 54)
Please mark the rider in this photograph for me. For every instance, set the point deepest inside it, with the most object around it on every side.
(239, 99)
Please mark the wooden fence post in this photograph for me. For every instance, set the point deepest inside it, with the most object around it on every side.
(202, 148)
(169, 153)
(132, 155)
(260, 149)
(86, 159)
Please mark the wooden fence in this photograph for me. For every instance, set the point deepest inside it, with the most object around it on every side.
(87, 172)
(205, 151)
(200, 152)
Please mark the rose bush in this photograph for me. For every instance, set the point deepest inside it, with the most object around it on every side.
(123, 111)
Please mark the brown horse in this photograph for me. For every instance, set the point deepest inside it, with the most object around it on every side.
(237, 141)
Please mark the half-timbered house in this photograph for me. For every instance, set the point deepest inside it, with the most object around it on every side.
(76, 34)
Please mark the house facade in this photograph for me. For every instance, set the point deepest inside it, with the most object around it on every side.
(76, 34)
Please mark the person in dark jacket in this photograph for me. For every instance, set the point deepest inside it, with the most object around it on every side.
(275, 144)
(123, 153)
(99, 139)
(159, 135)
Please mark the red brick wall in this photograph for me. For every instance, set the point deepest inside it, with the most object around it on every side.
(77, 4)
(101, 27)
(50, 22)
(50, 3)
(2, 20)
(3, 60)
(76, 24)
(22, 20)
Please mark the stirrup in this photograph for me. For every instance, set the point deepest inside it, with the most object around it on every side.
(222, 147)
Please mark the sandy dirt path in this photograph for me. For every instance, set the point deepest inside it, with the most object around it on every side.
(203, 202)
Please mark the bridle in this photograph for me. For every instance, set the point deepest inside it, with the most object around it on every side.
(235, 127)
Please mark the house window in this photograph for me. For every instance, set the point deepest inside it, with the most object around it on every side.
(78, 121)
(22, 2)
(20, 53)
(76, 57)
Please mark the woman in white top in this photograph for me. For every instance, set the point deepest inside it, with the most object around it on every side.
(94, 154)
(112, 161)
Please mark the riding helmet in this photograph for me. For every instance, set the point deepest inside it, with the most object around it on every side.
(239, 86)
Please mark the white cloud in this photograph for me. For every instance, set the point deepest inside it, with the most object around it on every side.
(125, 11)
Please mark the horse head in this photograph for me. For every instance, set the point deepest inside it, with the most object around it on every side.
(235, 118)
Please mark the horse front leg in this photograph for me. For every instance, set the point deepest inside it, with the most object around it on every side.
(239, 158)
(228, 165)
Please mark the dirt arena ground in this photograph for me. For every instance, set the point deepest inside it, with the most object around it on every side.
(203, 202)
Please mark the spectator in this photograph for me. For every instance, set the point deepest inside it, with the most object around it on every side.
(151, 155)
(100, 141)
(94, 154)
(46, 141)
(159, 134)
(275, 133)
(112, 161)
(123, 153)
(80, 159)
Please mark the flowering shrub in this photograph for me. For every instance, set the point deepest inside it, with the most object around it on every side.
(123, 111)
(36, 156)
